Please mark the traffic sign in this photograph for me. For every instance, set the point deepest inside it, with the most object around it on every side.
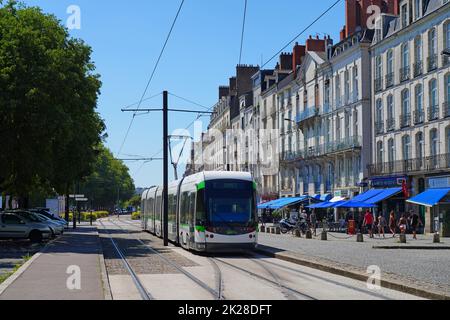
(76, 196)
(81, 199)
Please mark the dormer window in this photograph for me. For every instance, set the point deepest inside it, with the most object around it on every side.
(417, 9)
(404, 15)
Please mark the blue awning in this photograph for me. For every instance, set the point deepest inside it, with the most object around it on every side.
(367, 195)
(430, 198)
(355, 204)
(332, 204)
(281, 203)
(316, 196)
(315, 206)
(385, 194)
(326, 197)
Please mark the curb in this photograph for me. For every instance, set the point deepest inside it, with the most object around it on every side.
(412, 247)
(361, 276)
(105, 280)
(8, 282)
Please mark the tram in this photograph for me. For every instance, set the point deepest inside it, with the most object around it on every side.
(208, 212)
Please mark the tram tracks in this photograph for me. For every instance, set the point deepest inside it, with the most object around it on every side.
(217, 293)
(145, 295)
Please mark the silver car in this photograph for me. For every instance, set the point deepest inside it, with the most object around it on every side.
(55, 227)
(13, 226)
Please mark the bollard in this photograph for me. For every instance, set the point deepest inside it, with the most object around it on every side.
(436, 238)
(308, 234)
(324, 236)
(403, 238)
(297, 233)
(277, 230)
(359, 237)
(262, 229)
(272, 230)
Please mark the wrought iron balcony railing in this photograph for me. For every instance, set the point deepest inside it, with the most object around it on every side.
(423, 165)
(378, 84)
(405, 73)
(379, 127)
(418, 69)
(433, 113)
(390, 124)
(419, 117)
(308, 114)
(446, 108)
(432, 62)
(390, 79)
(405, 120)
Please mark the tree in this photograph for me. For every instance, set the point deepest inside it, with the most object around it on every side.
(49, 128)
(109, 182)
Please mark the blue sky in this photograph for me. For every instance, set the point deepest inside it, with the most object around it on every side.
(127, 36)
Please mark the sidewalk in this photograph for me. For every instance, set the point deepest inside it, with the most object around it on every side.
(45, 276)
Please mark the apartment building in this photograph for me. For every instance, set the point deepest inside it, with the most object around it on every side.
(411, 85)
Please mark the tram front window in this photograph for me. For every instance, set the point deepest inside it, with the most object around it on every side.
(230, 207)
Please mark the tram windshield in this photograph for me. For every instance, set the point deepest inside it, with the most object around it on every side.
(230, 204)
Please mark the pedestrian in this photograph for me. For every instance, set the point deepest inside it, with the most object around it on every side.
(415, 222)
(392, 223)
(313, 221)
(381, 225)
(368, 222)
(403, 224)
(264, 217)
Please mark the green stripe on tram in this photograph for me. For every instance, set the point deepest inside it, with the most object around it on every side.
(200, 229)
(201, 185)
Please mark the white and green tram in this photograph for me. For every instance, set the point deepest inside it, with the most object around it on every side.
(208, 212)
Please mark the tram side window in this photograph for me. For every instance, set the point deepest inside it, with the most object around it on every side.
(158, 208)
(191, 208)
(184, 208)
(171, 207)
(200, 214)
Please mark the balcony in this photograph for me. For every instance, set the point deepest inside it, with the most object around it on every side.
(390, 124)
(379, 84)
(433, 113)
(405, 121)
(446, 108)
(379, 127)
(418, 165)
(405, 74)
(418, 69)
(432, 62)
(390, 80)
(419, 117)
(309, 113)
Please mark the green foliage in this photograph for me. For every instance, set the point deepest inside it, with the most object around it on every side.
(136, 216)
(86, 216)
(111, 178)
(135, 201)
(48, 95)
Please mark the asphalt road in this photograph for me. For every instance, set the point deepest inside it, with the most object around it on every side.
(176, 274)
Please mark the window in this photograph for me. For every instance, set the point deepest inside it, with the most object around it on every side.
(379, 115)
(432, 43)
(391, 150)
(417, 9)
(419, 98)
(378, 67)
(405, 55)
(448, 141)
(418, 49)
(420, 151)
(447, 92)
(433, 98)
(355, 123)
(347, 86)
(338, 90)
(405, 103)
(390, 61)
(390, 107)
(447, 34)
(404, 15)
(380, 152)
(10, 219)
(406, 143)
(434, 143)
(355, 84)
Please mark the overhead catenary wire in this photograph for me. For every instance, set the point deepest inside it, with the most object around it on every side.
(243, 32)
(152, 75)
(303, 31)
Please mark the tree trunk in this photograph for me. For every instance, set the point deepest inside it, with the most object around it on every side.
(67, 205)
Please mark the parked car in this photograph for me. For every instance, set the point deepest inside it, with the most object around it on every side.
(47, 213)
(13, 226)
(56, 227)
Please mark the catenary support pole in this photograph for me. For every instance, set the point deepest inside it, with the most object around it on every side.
(165, 169)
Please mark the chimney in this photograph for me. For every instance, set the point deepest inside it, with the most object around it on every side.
(286, 60)
(223, 91)
(297, 56)
(317, 45)
(232, 87)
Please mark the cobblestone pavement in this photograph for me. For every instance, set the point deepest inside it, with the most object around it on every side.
(429, 266)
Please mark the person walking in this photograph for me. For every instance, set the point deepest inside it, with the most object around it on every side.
(381, 225)
(313, 221)
(415, 221)
(403, 224)
(392, 223)
(368, 222)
